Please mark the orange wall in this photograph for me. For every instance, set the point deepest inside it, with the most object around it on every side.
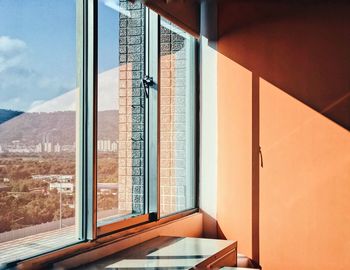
(234, 152)
(301, 60)
(304, 186)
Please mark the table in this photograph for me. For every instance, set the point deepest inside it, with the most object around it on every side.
(166, 252)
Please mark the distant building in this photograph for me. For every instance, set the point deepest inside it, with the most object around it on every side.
(38, 148)
(47, 147)
(114, 147)
(57, 148)
(99, 145)
(4, 188)
(40, 177)
(107, 188)
(65, 178)
(68, 148)
(54, 178)
(107, 146)
(16, 143)
(19, 150)
(64, 187)
(38, 190)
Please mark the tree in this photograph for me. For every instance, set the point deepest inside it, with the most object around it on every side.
(24, 188)
(5, 223)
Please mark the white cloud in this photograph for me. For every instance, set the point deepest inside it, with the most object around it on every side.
(36, 103)
(10, 103)
(11, 52)
(6, 63)
(21, 85)
(9, 45)
(108, 98)
(26, 89)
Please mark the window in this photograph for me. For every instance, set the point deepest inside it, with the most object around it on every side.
(97, 121)
(121, 105)
(121, 119)
(177, 103)
(38, 123)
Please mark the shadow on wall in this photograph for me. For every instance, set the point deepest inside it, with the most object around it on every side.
(304, 186)
(283, 84)
(300, 48)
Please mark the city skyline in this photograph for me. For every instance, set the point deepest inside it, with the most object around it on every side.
(47, 146)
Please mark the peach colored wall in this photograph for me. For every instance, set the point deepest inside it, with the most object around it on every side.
(301, 60)
(304, 186)
(234, 153)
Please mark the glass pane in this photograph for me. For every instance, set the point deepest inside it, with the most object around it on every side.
(121, 99)
(177, 91)
(37, 126)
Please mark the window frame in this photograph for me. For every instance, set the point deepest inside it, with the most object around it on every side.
(150, 186)
(192, 50)
(152, 131)
(88, 118)
(90, 235)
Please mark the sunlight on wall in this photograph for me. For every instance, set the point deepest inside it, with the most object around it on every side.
(304, 185)
(234, 153)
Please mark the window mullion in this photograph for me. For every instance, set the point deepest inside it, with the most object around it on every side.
(152, 111)
(91, 145)
(87, 55)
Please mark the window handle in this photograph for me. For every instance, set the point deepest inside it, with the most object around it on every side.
(147, 81)
(261, 158)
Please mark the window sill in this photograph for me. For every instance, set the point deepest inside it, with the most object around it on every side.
(84, 251)
(37, 244)
(21, 244)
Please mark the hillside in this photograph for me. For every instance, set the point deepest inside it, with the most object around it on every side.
(6, 115)
(32, 128)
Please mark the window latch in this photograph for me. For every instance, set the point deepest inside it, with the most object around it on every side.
(261, 158)
(147, 81)
(153, 216)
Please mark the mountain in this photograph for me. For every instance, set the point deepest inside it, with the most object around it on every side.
(6, 115)
(108, 95)
(54, 120)
(56, 127)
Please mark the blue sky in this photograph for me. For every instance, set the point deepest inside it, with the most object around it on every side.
(38, 49)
